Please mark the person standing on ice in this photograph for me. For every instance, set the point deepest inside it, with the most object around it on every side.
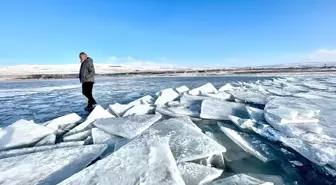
(86, 77)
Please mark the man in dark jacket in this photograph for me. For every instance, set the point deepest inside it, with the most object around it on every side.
(86, 77)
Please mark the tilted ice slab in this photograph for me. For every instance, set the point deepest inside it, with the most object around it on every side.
(21, 134)
(186, 142)
(205, 89)
(240, 179)
(141, 109)
(226, 87)
(143, 161)
(187, 120)
(119, 109)
(80, 136)
(166, 96)
(63, 121)
(102, 137)
(221, 96)
(220, 110)
(143, 100)
(243, 124)
(182, 89)
(128, 127)
(97, 113)
(48, 140)
(187, 99)
(249, 143)
(255, 114)
(166, 112)
(194, 174)
(249, 96)
(184, 111)
(47, 167)
(23, 151)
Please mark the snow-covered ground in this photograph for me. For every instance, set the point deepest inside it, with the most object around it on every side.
(239, 130)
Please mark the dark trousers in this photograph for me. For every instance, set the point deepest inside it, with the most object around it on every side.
(87, 91)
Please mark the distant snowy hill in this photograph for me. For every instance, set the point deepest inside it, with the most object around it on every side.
(303, 65)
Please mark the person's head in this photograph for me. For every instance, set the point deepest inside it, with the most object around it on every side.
(82, 56)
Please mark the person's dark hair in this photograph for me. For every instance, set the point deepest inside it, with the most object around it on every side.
(82, 53)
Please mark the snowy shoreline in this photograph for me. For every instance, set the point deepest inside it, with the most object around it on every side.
(278, 131)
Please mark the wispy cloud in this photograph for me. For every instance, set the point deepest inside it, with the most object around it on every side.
(133, 62)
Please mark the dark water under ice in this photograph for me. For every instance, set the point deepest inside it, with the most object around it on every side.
(43, 100)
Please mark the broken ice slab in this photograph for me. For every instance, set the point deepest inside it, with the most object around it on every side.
(48, 140)
(194, 174)
(226, 87)
(275, 179)
(205, 89)
(166, 112)
(240, 179)
(141, 109)
(119, 109)
(102, 137)
(120, 143)
(216, 161)
(96, 114)
(220, 110)
(184, 111)
(242, 124)
(88, 140)
(187, 120)
(182, 89)
(249, 143)
(166, 96)
(279, 91)
(174, 104)
(188, 100)
(63, 121)
(320, 154)
(80, 136)
(315, 85)
(144, 161)
(255, 114)
(251, 97)
(186, 142)
(221, 96)
(47, 167)
(22, 134)
(267, 131)
(128, 127)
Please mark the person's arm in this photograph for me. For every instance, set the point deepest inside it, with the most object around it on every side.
(90, 67)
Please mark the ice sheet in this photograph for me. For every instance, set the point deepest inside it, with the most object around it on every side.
(164, 111)
(221, 96)
(220, 110)
(205, 89)
(63, 121)
(186, 142)
(48, 140)
(143, 100)
(47, 167)
(251, 97)
(144, 161)
(255, 114)
(182, 89)
(80, 136)
(128, 127)
(240, 179)
(166, 96)
(184, 111)
(194, 174)
(119, 109)
(22, 133)
(138, 110)
(243, 124)
(102, 137)
(249, 143)
(226, 87)
(188, 100)
(96, 114)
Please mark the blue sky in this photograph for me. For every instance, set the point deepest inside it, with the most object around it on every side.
(178, 32)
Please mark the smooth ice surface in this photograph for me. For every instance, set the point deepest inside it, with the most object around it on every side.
(221, 96)
(204, 89)
(220, 110)
(63, 121)
(255, 114)
(184, 111)
(182, 89)
(21, 134)
(240, 179)
(249, 143)
(143, 161)
(22, 151)
(119, 109)
(194, 174)
(141, 109)
(97, 113)
(186, 142)
(80, 136)
(249, 96)
(47, 167)
(48, 140)
(128, 127)
(166, 96)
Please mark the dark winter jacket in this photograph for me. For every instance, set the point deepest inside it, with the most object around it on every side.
(87, 71)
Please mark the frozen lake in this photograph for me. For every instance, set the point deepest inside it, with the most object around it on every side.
(43, 100)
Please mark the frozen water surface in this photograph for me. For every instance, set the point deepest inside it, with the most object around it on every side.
(220, 110)
(240, 179)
